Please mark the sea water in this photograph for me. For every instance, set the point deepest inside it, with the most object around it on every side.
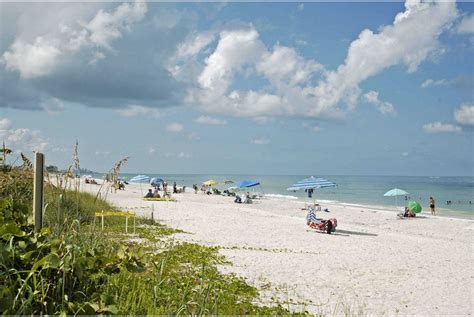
(361, 190)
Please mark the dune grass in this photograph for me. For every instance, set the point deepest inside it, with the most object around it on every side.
(73, 267)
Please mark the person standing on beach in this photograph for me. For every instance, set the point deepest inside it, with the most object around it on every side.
(432, 206)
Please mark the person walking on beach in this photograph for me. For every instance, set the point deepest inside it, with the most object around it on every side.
(432, 206)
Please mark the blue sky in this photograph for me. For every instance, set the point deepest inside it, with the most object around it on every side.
(251, 88)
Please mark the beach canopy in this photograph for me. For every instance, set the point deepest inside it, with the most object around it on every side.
(228, 182)
(140, 179)
(414, 206)
(248, 184)
(87, 176)
(156, 180)
(396, 192)
(210, 182)
(312, 183)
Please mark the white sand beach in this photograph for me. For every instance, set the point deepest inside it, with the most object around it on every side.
(374, 264)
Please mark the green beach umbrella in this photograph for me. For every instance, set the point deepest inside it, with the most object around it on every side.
(395, 193)
(414, 206)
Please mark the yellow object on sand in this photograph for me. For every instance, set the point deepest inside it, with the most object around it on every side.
(115, 213)
(160, 199)
(211, 182)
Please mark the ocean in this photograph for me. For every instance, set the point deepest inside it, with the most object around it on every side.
(361, 190)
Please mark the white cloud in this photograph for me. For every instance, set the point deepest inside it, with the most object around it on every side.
(438, 127)
(183, 155)
(193, 136)
(311, 127)
(383, 107)
(259, 141)
(292, 87)
(137, 110)
(21, 139)
(300, 7)
(465, 114)
(195, 44)
(466, 26)
(106, 27)
(431, 82)
(32, 60)
(40, 56)
(53, 106)
(151, 150)
(209, 120)
(174, 127)
(405, 154)
(5, 124)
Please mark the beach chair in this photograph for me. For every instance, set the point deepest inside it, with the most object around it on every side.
(320, 224)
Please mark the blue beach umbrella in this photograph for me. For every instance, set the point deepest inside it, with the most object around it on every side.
(156, 181)
(312, 183)
(248, 184)
(140, 179)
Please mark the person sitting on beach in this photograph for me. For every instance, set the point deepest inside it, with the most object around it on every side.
(237, 199)
(408, 213)
(156, 194)
(247, 199)
(149, 194)
(175, 189)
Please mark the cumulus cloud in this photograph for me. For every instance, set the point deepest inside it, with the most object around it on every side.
(383, 107)
(260, 141)
(174, 127)
(21, 139)
(137, 110)
(209, 120)
(438, 127)
(465, 114)
(53, 106)
(41, 56)
(300, 87)
(431, 82)
(466, 26)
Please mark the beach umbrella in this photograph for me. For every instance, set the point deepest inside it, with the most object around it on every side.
(156, 181)
(312, 183)
(211, 182)
(140, 179)
(248, 184)
(414, 206)
(228, 182)
(87, 176)
(395, 193)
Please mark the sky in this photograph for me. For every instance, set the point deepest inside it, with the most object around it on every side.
(297, 88)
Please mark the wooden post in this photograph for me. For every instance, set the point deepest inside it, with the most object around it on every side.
(102, 220)
(134, 216)
(126, 224)
(152, 210)
(38, 191)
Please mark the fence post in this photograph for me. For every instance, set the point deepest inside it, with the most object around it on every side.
(126, 224)
(38, 190)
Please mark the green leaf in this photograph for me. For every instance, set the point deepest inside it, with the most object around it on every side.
(51, 260)
(10, 229)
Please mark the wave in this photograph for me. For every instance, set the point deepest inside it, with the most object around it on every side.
(280, 196)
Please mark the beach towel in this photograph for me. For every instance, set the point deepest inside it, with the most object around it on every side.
(311, 216)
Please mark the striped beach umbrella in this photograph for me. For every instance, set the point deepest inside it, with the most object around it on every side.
(312, 183)
(140, 179)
